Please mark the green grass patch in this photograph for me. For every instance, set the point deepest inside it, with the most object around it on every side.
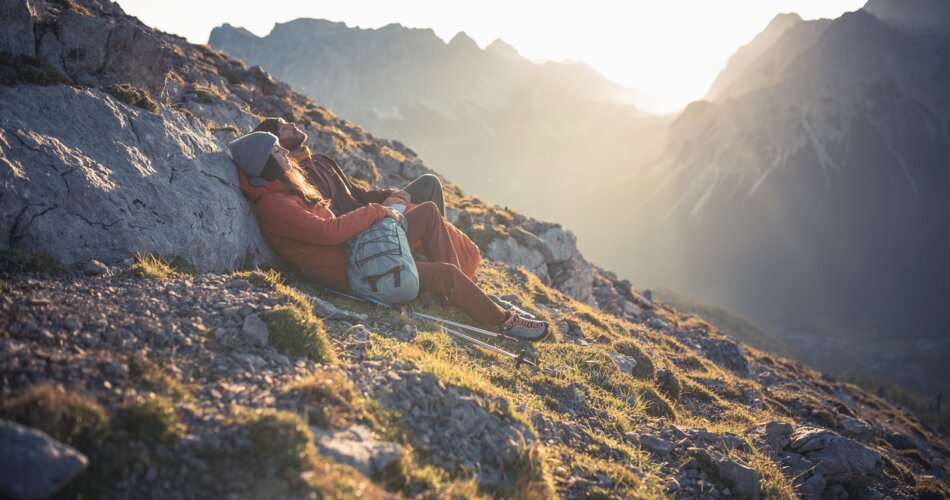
(152, 420)
(123, 92)
(330, 399)
(275, 437)
(204, 95)
(644, 369)
(930, 488)
(70, 417)
(225, 128)
(71, 5)
(18, 261)
(295, 333)
(153, 266)
(528, 475)
(24, 70)
(155, 378)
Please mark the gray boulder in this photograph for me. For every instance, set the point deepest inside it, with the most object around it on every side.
(106, 180)
(510, 251)
(855, 428)
(746, 479)
(356, 446)
(96, 52)
(563, 244)
(135, 56)
(574, 277)
(839, 459)
(34, 465)
(16, 28)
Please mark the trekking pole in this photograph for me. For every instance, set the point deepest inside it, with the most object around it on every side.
(519, 358)
(419, 315)
(361, 298)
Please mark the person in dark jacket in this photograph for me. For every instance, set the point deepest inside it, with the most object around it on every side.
(298, 224)
(343, 193)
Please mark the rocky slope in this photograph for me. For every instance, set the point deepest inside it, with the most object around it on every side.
(192, 380)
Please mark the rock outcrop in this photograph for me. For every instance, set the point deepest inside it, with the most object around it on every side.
(16, 28)
(34, 465)
(105, 180)
(820, 460)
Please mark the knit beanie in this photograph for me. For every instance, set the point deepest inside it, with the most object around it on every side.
(251, 152)
(269, 125)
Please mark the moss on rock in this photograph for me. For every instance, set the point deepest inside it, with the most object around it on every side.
(132, 96)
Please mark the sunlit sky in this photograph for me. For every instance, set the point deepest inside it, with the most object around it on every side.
(671, 50)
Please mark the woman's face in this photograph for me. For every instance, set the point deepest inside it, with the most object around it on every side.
(280, 154)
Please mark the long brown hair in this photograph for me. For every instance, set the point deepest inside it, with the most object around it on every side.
(296, 179)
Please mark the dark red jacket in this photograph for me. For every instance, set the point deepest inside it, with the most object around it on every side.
(336, 186)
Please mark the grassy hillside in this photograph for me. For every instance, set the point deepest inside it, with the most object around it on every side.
(617, 409)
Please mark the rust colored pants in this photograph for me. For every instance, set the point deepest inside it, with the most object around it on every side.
(441, 275)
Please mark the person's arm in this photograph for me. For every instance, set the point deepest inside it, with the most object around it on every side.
(361, 195)
(284, 216)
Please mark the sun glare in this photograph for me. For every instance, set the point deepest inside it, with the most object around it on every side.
(670, 51)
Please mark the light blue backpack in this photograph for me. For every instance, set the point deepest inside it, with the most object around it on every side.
(380, 263)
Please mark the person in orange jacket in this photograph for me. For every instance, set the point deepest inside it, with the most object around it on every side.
(344, 195)
(299, 225)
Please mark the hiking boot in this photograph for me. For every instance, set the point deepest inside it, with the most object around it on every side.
(524, 328)
(508, 306)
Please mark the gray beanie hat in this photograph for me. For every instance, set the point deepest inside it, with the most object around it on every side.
(251, 151)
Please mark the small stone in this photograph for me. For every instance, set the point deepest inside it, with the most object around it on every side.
(745, 478)
(95, 268)
(656, 444)
(625, 363)
(658, 324)
(255, 330)
(72, 322)
(357, 447)
(240, 284)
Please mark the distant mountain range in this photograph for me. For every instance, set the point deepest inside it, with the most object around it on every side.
(486, 118)
(811, 190)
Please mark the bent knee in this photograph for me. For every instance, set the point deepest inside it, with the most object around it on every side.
(430, 209)
(429, 179)
(439, 276)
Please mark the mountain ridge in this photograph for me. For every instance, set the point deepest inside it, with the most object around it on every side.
(825, 179)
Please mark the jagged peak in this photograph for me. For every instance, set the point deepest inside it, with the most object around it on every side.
(503, 48)
(309, 23)
(463, 41)
(784, 19)
(233, 30)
